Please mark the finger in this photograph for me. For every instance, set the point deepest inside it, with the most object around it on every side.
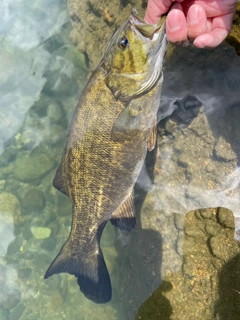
(155, 9)
(196, 21)
(221, 26)
(176, 25)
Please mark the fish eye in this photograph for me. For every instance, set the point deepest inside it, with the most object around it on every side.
(123, 42)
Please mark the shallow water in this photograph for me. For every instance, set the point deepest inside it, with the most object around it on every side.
(42, 76)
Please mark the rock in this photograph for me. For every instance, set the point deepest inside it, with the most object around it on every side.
(41, 232)
(33, 201)
(10, 210)
(225, 218)
(224, 151)
(26, 230)
(32, 166)
(48, 244)
(194, 289)
(234, 36)
(54, 112)
(14, 246)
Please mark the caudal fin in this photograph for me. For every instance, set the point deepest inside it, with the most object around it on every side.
(90, 270)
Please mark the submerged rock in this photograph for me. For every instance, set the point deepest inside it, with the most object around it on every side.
(10, 209)
(41, 232)
(33, 201)
(32, 166)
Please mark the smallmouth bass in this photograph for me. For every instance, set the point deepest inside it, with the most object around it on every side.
(113, 126)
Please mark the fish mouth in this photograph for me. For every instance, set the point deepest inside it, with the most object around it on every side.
(151, 31)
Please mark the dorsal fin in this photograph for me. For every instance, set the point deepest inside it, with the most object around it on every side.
(58, 181)
(124, 216)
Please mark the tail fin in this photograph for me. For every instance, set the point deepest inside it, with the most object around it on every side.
(90, 270)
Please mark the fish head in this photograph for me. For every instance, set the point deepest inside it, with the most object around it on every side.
(134, 57)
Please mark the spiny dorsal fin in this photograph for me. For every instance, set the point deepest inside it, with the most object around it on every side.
(58, 181)
(124, 216)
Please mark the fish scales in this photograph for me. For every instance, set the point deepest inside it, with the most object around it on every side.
(112, 128)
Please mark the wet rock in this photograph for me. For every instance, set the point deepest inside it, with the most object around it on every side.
(234, 37)
(41, 232)
(225, 218)
(224, 151)
(179, 221)
(31, 166)
(195, 288)
(33, 201)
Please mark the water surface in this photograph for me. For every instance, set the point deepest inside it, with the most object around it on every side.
(196, 166)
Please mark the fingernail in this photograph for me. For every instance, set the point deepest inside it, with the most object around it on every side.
(174, 24)
(193, 18)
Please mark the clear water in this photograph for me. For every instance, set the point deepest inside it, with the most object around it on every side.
(42, 76)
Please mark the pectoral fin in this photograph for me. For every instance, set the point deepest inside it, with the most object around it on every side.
(124, 216)
(126, 121)
(58, 181)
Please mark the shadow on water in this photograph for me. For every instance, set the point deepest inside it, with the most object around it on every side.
(140, 259)
(227, 307)
(206, 285)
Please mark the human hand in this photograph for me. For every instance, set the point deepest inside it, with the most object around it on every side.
(205, 22)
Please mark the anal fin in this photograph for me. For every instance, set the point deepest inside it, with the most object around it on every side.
(152, 137)
(58, 181)
(124, 216)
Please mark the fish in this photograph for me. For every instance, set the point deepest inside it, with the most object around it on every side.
(113, 127)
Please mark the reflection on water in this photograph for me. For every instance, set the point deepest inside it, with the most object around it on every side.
(194, 259)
